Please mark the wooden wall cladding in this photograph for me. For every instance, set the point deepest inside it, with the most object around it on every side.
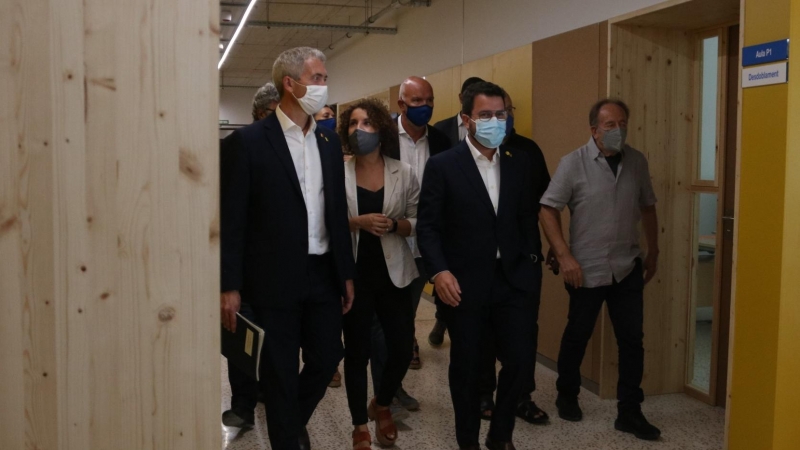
(109, 225)
(568, 75)
(651, 69)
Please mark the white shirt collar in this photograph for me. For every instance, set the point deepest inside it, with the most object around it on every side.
(402, 130)
(477, 155)
(459, 121)
(287, 123)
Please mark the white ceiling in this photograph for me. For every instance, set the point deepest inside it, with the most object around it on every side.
(250, 60)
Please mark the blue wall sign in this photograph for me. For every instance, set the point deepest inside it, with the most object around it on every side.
(765, 53)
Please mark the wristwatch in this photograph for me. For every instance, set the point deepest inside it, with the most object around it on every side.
(394, 226)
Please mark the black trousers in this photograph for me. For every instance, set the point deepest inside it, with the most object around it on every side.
(506, 319)
(376, 295)
(488, 382)
(625, 307)
(314, 325)
(244, 389)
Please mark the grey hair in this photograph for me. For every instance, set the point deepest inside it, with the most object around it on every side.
(264, 96)
(290, 63)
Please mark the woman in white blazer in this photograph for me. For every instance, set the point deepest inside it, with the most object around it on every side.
(382, 195)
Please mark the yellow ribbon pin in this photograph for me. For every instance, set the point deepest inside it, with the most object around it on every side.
(508, 153)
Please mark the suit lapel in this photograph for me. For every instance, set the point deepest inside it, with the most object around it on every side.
(390, 177)
(281, 149)
(506, 173)
(351, 187)
(470, 169)
(325, 159)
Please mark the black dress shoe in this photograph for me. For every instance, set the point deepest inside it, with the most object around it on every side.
(634, 422)
(499, 445)
(436, 337)
(304, 442)
(238, 418)
(569, 409)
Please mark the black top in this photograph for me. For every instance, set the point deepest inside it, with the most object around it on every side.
(369, 262)
(540, 179)
(613, 162)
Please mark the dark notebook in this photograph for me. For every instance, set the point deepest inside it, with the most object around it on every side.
(243, 348)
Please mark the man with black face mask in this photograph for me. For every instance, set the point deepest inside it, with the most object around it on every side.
(418, 142)
(607, 186)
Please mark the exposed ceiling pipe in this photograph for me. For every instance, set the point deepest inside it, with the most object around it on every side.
(315, 26)
(375, 17)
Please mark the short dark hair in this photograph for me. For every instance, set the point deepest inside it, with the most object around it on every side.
(469, 82)
(482, 88)
(595, 111)
(379, 116)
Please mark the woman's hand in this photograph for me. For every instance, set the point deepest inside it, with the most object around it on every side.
(377, 224)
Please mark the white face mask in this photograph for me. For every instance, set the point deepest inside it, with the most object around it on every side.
(315, 99)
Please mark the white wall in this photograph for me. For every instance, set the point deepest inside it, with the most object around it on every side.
(452, 32)
(236, 104)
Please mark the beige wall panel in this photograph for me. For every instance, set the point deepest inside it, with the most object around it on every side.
(394, 95)
(109, 225)
(445, 104)
(512, 70)
(482, 68)
(651, 69)
(565, 74)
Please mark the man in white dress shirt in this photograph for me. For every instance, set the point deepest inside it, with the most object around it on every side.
(286, 246)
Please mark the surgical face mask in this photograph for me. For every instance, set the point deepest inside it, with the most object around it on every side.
(328, 123)
(490, 134)
(419, 115)
(614, 139)
(363, 142)
(315, 99)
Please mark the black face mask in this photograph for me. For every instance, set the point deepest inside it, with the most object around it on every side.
(363, 142)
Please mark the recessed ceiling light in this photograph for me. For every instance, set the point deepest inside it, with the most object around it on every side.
(236, 33)
(221, 45)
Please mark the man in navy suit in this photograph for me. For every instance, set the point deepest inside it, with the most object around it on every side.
(474, 219)
(286, 243)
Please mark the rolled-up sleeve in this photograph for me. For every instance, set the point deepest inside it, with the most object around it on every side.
(559, 191)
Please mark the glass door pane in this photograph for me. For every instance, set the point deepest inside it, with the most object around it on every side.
(709, 89)
(703, 290)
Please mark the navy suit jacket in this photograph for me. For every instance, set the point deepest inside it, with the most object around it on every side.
(449, 127)
(264, 222)
(458, 230)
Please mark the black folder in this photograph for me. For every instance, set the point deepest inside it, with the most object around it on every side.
(243, 348)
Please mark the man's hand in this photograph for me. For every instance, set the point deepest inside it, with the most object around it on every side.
(650, 266)
(377, 224)
(447, 288)
(229, 304)
(347, 300)
(552, 261)
(573, 274)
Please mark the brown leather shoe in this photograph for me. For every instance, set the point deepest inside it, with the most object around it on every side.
(499, 445)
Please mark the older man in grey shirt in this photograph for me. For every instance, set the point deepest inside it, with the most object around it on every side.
(606, 185)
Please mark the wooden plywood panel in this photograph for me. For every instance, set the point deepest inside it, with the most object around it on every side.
(109, 225)
(445, 105)
(394, 95)
(566, 74)
(685, 15)
(651, 69)
(512, 70)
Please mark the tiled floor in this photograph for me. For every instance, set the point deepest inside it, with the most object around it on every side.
(685, 423)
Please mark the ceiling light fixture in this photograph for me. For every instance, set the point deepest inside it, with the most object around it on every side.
(236, 33)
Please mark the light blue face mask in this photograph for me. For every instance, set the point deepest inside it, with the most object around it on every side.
(491, 133)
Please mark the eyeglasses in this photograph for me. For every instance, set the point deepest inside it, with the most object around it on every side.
(485, 116)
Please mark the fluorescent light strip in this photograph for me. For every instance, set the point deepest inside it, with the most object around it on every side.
(236, 33)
